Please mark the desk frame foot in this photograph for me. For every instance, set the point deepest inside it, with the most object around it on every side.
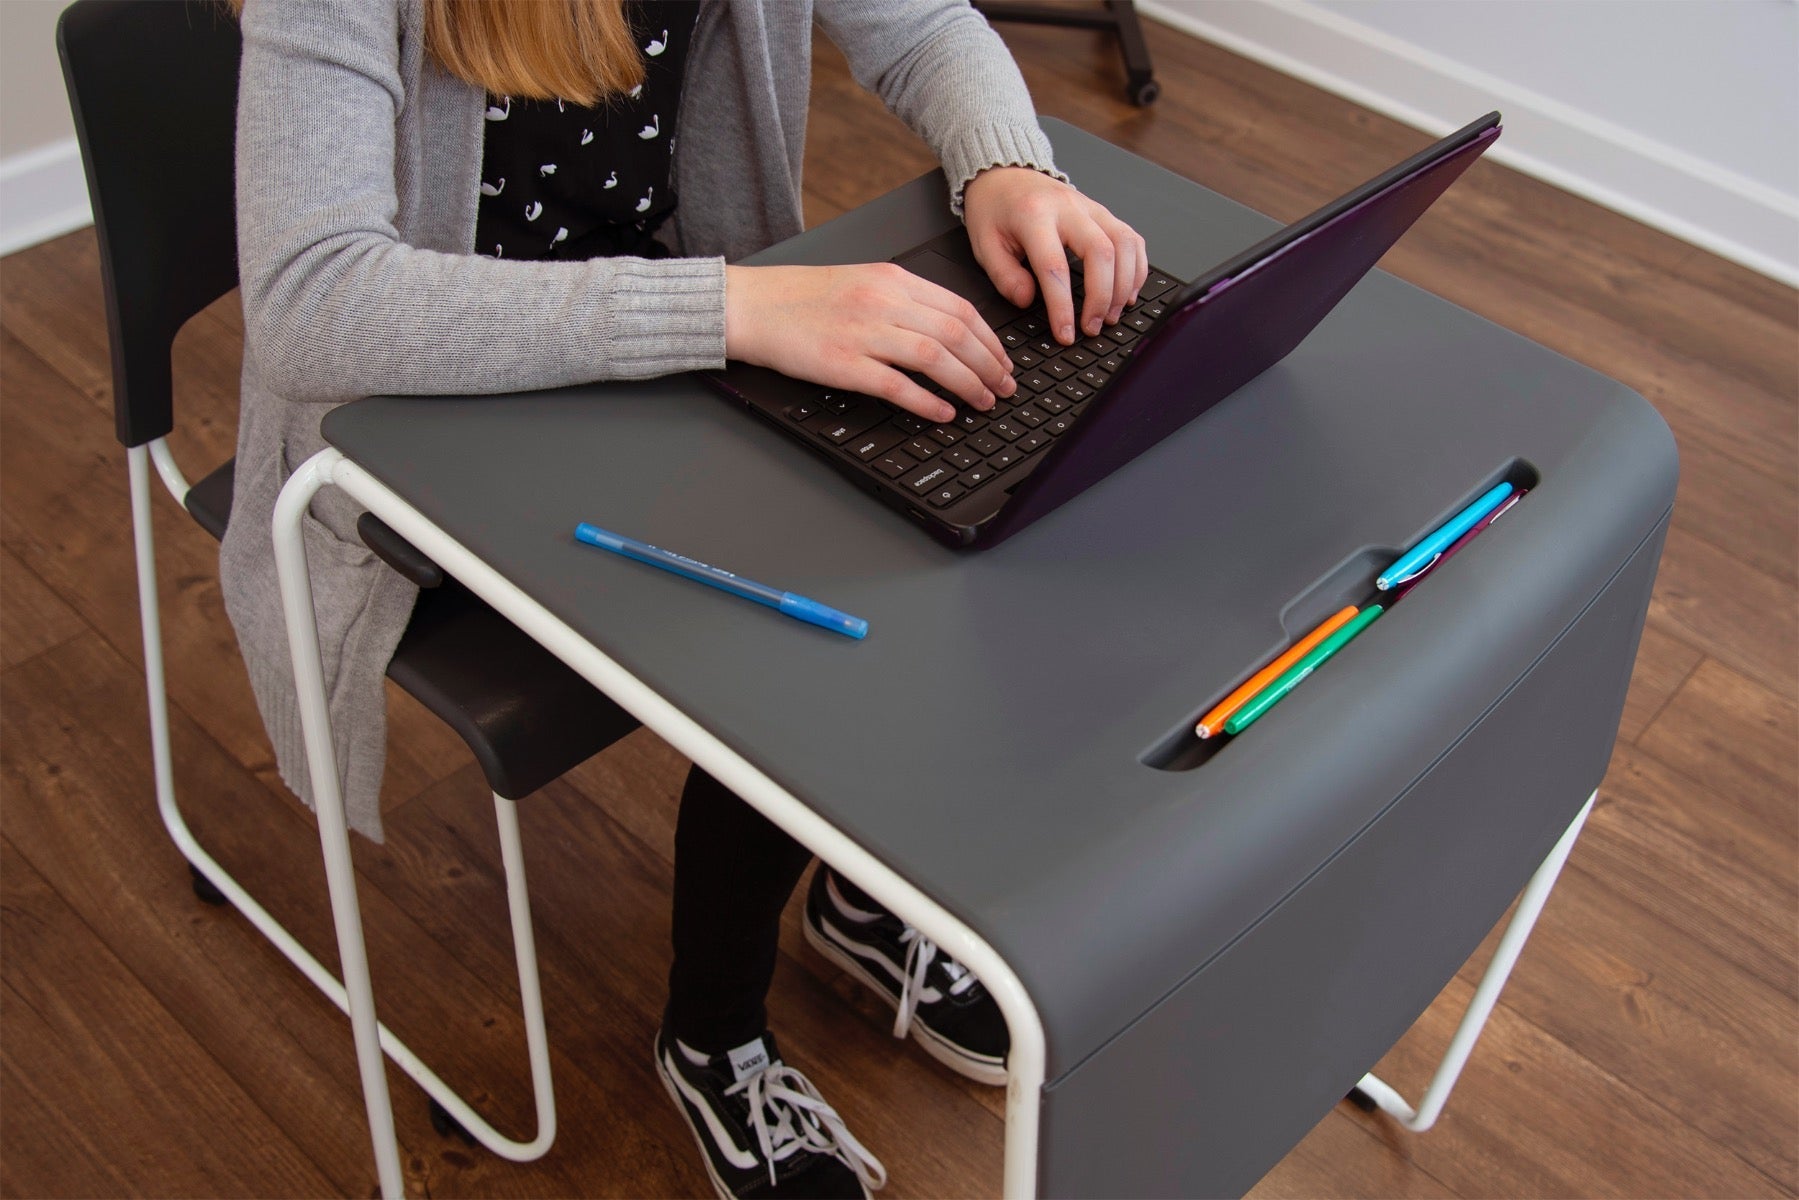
(1382, 1095)
(210, 877)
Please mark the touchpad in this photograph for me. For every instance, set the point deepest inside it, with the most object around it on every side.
(966, 279)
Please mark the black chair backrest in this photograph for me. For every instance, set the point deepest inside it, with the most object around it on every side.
(153, 86)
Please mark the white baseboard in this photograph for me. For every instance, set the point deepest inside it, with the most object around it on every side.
(43, 194)
(1699, 202)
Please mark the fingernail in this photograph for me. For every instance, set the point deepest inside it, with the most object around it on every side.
(1009, 386)
(1093, 326)
(987, 400)
(1066, 333)
(1112, 317)
(945, 415)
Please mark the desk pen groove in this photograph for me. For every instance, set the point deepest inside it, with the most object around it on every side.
(791, 604)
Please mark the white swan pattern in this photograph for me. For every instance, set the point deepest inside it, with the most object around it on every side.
(635, 92)
(561, 234)
(657, 47)
(534, 210)
(493, 189)
(500, 114)
(586, 136)
(653, 129)
(611, 181)
(546, 169)
(643, 205)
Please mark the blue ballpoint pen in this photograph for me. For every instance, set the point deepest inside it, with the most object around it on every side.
(1420, 556)
(798, 607)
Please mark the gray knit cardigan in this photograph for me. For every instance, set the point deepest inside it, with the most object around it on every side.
(358, 163)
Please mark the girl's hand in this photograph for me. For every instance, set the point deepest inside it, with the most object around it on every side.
(1021, 220)
(860, 327)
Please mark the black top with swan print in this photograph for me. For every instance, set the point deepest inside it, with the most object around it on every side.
(566, 181)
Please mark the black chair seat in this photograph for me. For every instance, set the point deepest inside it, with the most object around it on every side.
(477, 672)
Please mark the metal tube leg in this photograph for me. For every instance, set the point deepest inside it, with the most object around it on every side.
(1486, 995)
(334, 835)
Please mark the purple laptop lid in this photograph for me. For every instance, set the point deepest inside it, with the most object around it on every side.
(1236, 322)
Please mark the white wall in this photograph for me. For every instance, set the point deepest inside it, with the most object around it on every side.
(42, 192)
(1681, 113)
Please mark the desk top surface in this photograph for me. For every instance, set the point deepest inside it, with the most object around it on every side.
(994, 737)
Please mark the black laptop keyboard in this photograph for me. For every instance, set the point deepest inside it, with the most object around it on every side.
(941, 464)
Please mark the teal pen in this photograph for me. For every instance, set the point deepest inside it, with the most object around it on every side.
(798, 607)
(1420, 556)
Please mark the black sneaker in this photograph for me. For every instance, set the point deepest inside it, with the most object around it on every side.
(763, 1129)
(934, 997)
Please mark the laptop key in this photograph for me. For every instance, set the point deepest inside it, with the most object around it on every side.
(1057, 426)
(974, 477)
(894, 465)
(1111, 362)
(1028, 416)
(804, 409)
(1004, 459)
(945, 494)
(1025, 357)
(1008, 430)
(1097, 345)
(910, 423)
(875, 443)
(1138, 321)
(1029, 326)
(1075, 391)
(840, 429)
(932, 475)
(1122, 335)
(1031, 442)
(985, 443)
(1093, 377)
(1058, 369)
(1013, 339)
(969, 422)
(946, 435)
(922, 448)
(1036, 381)
(961, 458)
(1077, 356)
(1156, 285)
(1047, 347)
(1053, 403)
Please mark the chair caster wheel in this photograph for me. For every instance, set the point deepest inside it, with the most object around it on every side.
(206, 889)
(1361, 1100)
(1143, 93)
(448, 1126)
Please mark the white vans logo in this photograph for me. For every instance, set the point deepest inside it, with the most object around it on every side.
(747, 1059)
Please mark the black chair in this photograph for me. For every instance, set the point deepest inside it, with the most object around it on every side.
(153, 86)
(1118, 16)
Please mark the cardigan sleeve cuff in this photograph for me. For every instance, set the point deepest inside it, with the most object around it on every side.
(666, 316)
(996, 146)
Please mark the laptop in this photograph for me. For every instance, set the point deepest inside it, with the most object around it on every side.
(1083, 411)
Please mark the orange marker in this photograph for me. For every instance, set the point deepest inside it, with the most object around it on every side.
(1213, 722)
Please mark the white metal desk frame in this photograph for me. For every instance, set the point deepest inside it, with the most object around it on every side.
(1025, 1063)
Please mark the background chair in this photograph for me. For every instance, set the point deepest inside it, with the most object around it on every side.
(153, 86)
(1118, 16)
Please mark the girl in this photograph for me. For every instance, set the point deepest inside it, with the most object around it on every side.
(470, 196)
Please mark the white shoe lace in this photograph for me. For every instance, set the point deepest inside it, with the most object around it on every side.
(921, 952)
(789, 1116)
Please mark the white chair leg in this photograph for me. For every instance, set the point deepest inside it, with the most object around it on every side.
(139, 463)
(1486, 995)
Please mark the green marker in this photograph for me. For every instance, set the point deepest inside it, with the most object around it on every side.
(1275, 692)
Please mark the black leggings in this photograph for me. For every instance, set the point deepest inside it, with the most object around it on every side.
(734, 870)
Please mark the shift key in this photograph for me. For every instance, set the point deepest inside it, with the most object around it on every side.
(841, 427)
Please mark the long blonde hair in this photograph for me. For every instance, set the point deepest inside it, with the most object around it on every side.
(579, 50)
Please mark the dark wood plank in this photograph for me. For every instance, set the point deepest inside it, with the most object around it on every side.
(32, 619)
(1533, 1117)
(1734, 613)
(1738, 738)
(92, 1042)
(1663, 664)
(68, 517)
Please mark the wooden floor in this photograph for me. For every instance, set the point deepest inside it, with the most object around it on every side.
(1647, 1046)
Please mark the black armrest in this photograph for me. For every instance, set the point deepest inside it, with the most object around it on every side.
(397, 552)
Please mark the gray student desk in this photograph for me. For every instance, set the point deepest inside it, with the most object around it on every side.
(1198, 954)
